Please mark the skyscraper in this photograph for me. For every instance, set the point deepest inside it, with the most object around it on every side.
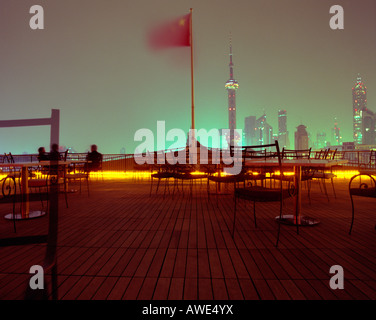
(321, 141)
(283, 135)
(231, 86)
(301, 138)
(264, 131)
(337, 139)
(359, 93)
(368, 127)
(250, 131)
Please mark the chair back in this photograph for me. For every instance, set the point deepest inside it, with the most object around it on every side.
(8, 158)
(264, 152)
(64, 155)
(330, 155)
(372, 158)
(296, 154)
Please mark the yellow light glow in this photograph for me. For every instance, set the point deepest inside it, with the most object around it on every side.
(345, 174)
(110, 175)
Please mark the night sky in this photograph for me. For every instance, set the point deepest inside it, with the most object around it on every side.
(92, 61)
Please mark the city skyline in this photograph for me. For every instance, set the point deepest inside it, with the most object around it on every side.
(92, 63)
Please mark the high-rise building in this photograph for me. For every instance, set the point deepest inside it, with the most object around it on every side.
(337, 139)
(321, 141)
(264, 131)
(250, 131)
(359, 93)
(283, 135)
(231, 86)
(301, 138)
(368, 127)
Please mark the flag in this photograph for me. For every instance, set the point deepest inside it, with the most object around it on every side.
(171, 34)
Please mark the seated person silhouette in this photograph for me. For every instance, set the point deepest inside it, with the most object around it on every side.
(54, 156)
(94, 158)
(42, 155)
(54, 153)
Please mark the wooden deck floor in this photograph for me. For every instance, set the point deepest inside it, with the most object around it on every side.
(119, 243)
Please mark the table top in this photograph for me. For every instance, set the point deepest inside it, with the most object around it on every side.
(294, 162)
(36, 164)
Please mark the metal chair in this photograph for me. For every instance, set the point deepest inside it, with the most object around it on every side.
(49, 263)
(262, 193)
(323, 173)
(363, 190)
(159, 170)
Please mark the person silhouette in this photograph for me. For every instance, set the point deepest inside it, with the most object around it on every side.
(94, 159)
(54, 153)
(42, 155)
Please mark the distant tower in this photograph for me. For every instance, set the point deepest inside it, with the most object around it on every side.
(231, 86)
(359, 93)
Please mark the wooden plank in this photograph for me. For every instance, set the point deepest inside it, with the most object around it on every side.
(105, 289)
(162, 288)
(215, 264)
(205, 291)
(133, 289)
(75, 290)
(147, 290)
(176, 289)
(248, 289)
(190, 289)
(233, 289)
(119, 288)
(228, 268)
(219, 289)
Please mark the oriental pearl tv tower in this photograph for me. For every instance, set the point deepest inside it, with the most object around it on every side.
(231, 86)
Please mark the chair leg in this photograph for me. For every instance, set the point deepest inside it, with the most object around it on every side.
(87, 185)
(279, 223)
(156, 191)
(334, 191)
(66, 198)
(254, 213)
(233, 225)
(326, 192)
(54, 282)
(173, 190)
(151, 185)
(216, 193)
(352, 212)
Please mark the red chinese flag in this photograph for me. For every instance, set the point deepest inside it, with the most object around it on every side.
(172, 34)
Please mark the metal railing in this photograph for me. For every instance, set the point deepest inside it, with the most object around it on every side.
(126, 162)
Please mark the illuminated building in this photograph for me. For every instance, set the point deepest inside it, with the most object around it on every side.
(250, 131)
(283, 135)
(257, 132)
(301, 138)
(336, 134)
(368, 127)
(264, 131)
(321, 142)
(359, 93)
(231, 86)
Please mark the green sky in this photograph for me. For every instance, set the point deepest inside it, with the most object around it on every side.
(92, 62)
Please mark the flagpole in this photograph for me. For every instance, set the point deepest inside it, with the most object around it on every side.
(192, 82)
